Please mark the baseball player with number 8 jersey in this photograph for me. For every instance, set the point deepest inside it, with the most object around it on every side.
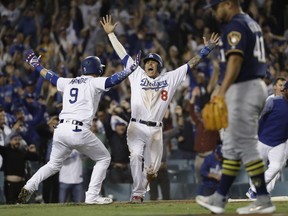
(81, 96)
(151, 93)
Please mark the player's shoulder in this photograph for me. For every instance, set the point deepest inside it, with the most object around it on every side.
(241, 22)
(184, 68)
(271, 100)
(275, 98)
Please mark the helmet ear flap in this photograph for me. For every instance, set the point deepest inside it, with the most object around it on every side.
(100, 71)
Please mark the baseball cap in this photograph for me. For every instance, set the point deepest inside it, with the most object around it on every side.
(15, 135)
(218, 150)
(268, 75)
(29, 95)
(211, 3)
(120, 123)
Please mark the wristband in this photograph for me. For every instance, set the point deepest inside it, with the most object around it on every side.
(204, 52)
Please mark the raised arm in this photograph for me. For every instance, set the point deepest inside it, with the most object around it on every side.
(31, 58)
(204, 52)
(120, 76)
(109, 28)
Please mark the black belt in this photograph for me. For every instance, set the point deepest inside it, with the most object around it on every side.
(148, 123)
(75, 122)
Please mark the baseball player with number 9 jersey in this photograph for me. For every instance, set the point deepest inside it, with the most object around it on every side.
(151, 93)
(81, 96)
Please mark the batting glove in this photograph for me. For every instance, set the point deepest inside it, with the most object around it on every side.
(135, 64)
(31, 58)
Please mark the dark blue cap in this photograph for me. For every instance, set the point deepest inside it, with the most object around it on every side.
(211, 3)
(268, 75)
(15, 135)
(218, 150)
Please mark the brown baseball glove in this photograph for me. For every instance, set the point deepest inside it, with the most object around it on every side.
(215, 114)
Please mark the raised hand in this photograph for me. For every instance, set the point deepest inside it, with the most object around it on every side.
(213, 41)
(107, 25)
(136, 63)
(209, 45)
(31, 58)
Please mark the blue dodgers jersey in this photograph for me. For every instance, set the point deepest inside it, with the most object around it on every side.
(243, 36)
(273, 125)
(210, 165)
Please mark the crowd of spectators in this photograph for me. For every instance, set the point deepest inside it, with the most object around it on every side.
(63, 32)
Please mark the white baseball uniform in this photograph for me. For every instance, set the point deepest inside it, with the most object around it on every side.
(81, 97)
(149, 101)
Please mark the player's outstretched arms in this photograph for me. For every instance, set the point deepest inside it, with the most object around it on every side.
(31, 58)
(204, 52)
(120, 76)
(109, 28)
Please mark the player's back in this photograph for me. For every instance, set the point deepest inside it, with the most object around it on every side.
(81, 97)
(244, 36)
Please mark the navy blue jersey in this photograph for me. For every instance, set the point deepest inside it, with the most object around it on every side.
(273, 124)
(243, 36)
(210, 165)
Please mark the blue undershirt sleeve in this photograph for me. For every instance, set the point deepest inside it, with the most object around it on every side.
(116, 78)
(52, 77)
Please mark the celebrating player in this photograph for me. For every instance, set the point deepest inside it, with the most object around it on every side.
(151, 93)
(273, 134)
(242, 57)
(81, 97)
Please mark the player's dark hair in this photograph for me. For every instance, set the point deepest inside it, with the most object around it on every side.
(277, 79)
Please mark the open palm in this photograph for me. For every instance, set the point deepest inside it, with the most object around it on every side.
(214, 39)
(107, 24)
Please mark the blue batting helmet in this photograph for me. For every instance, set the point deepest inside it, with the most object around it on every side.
(155, 57)
(92, 65)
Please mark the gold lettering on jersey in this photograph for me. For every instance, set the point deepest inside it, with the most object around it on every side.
(78, 80)
(156, 85)
(233, 38)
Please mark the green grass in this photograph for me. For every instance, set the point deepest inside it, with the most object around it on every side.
(174, 208)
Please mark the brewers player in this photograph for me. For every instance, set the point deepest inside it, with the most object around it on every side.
(151, 93)
(242, 65)
(81, 97)
(273, 134)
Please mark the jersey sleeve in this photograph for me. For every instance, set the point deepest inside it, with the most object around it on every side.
(127, 60)
(62, 82)
(179, 74)
(99, 83)
(268, 106)
(234, 39)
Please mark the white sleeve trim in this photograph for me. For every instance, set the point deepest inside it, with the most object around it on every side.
(118, 47)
